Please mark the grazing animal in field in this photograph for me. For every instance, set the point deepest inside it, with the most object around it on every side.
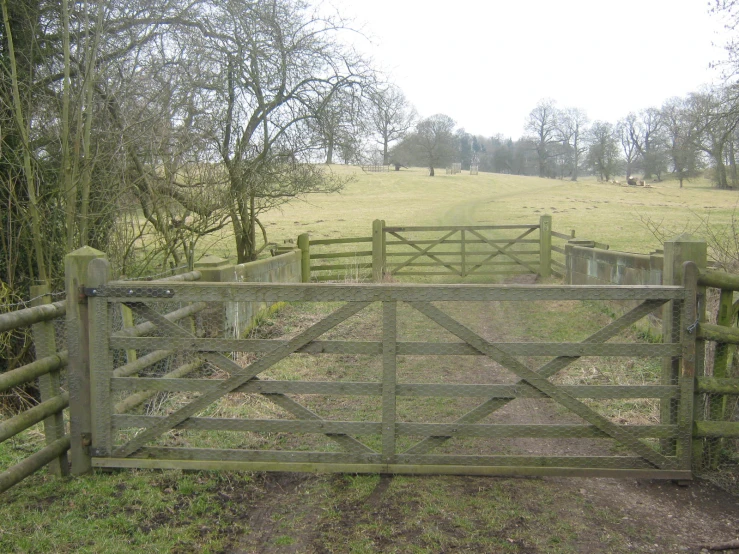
(631, 181)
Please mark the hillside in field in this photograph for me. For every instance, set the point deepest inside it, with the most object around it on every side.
(613, 214)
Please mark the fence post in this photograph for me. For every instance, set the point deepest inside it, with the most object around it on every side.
(677, 251)
(101, 361)
(378, 233)
(78, 345)
(44, 342)
(384, 248)
(304, 245)
(545, 245)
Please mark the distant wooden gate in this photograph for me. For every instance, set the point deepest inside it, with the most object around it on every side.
(392, 442)
(463, 250)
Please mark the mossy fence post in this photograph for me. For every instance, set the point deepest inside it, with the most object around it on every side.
(44, 342)
(545, 245)
(304, 245)
(378, 250)
(677, 251)
(78, 345)
(722, 359)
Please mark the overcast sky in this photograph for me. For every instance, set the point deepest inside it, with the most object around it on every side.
(487, 63)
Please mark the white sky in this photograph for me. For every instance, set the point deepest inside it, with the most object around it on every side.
(487, 63)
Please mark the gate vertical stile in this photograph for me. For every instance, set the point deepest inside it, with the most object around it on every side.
(464, 266)
(389, 379)
(101, 361)
(689, 333)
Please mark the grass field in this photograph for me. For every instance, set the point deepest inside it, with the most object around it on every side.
(597, 211)
(176, 511)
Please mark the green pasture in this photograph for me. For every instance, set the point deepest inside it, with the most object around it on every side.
(613, 214)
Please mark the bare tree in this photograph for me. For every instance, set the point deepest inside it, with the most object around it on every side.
(681, 133)
(571, 126)
(271, 67)
(392, 116)
(542, 124)
(715, 115)
(434, 140)
(628, 137)
(603, 156)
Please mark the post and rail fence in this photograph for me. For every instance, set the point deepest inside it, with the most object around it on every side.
(160, 343)
(456, 251)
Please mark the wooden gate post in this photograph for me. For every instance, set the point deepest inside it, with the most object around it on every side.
(44, 342)
(545, 245)
(677, 251)
(304, 245)
(78, 345)
(378, 254)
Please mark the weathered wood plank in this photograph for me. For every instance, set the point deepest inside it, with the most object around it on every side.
(389, 350)
(407, 242)
(159, 452)
(398, 469)
(459, 228)
(256, 425)
(468, 253)
(565, 432)
(373, 292)
(332, 255)
(334, 388)
(336, 267)
(350, 240)
(405, 348)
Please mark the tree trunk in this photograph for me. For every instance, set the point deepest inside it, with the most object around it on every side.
(431, 171)
(721, 180)
(330, 150)
(385, 157)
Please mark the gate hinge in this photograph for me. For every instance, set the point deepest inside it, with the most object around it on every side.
(131, 292)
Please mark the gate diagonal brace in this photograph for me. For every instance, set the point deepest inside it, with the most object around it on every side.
(547, 370)
(539, 380)
(426, 252)
(240, 375)
(502, 250)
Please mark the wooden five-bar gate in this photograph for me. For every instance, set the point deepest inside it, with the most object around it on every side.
(389, 433)
(457, 251)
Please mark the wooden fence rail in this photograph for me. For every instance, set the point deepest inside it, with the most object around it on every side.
(56, 388)
(718, 393)
(47, 369)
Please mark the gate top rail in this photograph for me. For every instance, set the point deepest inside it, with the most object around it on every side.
(459, 228)
(314, 292)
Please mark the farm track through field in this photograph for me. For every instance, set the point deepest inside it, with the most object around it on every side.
(358, 514)
(468, 212)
